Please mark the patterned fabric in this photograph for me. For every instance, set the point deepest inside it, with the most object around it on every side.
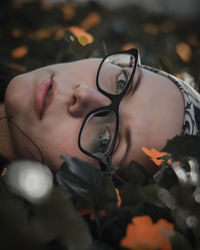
(192, 102)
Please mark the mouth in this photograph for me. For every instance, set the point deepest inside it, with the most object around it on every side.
(44, 97)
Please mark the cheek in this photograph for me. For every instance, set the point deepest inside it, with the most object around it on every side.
(18, 94)
(60, 145)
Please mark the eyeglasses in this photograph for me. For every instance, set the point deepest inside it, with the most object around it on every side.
(99, 130)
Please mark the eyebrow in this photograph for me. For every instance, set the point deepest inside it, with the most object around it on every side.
(138, 80)
(128, 144)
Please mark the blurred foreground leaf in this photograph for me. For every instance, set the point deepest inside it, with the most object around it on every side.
(183, 146)
(49, 225)
(87, 183)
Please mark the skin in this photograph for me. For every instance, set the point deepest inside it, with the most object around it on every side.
(154, 113)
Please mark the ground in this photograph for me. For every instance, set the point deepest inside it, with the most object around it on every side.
(31, 35)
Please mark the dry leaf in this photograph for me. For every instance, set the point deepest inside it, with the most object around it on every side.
(154, 155)
(128, 46)
(168, 26)
(59, 32)
(193, 40)
(151, 29)
(17, 4)
(91, 20)
(17, 67)
(184, 51)
(19, 52)
(119, 200)
(69, 11)
(16, 32)
(46, 6)
(83, 37)
(143, 233)
(40, 34)
(4, 172)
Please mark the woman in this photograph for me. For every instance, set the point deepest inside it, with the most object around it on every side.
(45, 110)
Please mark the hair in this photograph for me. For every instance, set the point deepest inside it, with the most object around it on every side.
(6, 75)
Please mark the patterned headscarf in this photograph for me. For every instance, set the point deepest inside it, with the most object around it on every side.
(192, 102)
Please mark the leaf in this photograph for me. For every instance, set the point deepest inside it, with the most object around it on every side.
(79, 44)
(158, 196)
(87, 182)
(137, 174)
(39, 226)
(184, 51)
(98, 245)
(19, 52)
(154, 155)
(183, 146)
(166, 177)
(178, 241)
(91, 20)
(136, 177)
(56, 218)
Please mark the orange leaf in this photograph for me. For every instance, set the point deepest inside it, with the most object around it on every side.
(83, 37)
(84, 212)
(154, 155)
(184, 51)
(151, 29)
(19, 52)
(40, 34)
(17, 4)
(91, 20)
(128, 46)
(193, 40)
(46, 6)
(102, 214)
(168, 26)
(17, 67)
(118, 197)
(16, 33)
(4, 172)
(142, 233)
(68, 11)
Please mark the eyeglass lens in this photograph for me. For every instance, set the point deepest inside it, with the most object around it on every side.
(115, 73)
(99, 129)
(98, 132)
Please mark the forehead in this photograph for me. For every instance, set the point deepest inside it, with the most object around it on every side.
(84, 64)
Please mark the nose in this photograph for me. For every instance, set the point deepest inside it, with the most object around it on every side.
(85, 99)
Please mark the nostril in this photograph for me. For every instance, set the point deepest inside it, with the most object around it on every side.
(74, 100)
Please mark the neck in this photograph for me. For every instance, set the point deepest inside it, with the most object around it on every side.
(6, 146)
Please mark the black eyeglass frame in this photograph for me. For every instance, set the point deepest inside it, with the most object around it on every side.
(114, 106)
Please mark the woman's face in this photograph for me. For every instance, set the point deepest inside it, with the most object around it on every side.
(49, 105)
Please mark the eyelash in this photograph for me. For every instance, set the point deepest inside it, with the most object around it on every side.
(129, 90)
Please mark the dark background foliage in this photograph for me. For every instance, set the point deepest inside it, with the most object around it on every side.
(165, 39)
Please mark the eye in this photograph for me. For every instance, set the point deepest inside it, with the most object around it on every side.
(121, 82)
(104, 140)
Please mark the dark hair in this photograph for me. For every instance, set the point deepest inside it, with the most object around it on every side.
(6, 75)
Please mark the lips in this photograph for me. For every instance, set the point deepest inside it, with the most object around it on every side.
(43, 97)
